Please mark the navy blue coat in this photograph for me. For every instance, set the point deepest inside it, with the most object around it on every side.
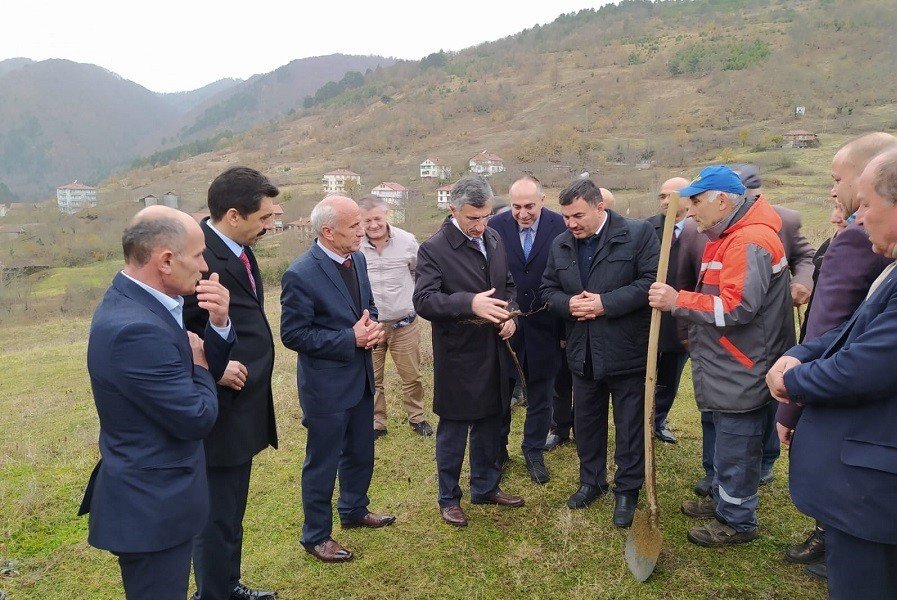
(844, 450)
(316, 321)
(624, 267)
(149, 491)
(537, 340)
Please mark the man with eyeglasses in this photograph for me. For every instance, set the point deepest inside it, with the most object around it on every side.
(464, 288)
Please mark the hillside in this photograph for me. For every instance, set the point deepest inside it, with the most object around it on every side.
(61, 120)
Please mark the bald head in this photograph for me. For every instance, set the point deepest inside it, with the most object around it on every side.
(526, 198)
(607, 197)
(337, 221)
(674, 184)
(850, 161)
(155, 227)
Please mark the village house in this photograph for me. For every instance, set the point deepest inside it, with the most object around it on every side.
(4, 208)
(148, 200)
(74, 196)
(278, 218)
(800, 138)
(394, 193)
(302, 224)
(486, 164)
(433, 168)
(335, 181)
(443, 196)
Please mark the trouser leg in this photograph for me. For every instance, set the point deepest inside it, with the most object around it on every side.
(356, 463)
(859, 568)
(379, 357)
(669, 373)
(739, 449)
(628, 396)
(484, 449)
(771, 445)
(451, 442)
(323, 448)
(562, 403)
(590, 416)
(405, 352)
(159, 575)
(708, 441)
(538, 417)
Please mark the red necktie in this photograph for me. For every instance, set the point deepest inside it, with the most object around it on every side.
(348, 262)
(245, 260)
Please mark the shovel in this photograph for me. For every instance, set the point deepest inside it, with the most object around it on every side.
(643, 539)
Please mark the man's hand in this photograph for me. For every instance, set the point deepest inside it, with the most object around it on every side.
(368, 333)
(234, 375)
(585, 306)
(199, 353)
(799, 294)
(662, 296)
(507, 329)
(213, 297)
(784, 434)
(775, 378)
(491, 309)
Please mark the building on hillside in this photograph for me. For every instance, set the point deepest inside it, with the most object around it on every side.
(300, 224)
(74, 196)
(435, 169)
(800, 138)
(4, 208)
(171, 199)
(148, 200)
(335, 181)
(278, 218)
(11, 232)
(444, 196)
(486, 164)
(394, 193)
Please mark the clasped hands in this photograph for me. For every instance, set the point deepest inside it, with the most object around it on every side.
(495, 311)
(586, 306)
(368, 332)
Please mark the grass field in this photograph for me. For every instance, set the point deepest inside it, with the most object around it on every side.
(543, 550)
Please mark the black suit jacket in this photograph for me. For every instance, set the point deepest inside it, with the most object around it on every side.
(246, 423)
(537, 341)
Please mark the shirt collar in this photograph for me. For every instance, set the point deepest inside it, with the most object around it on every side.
(370, 244)
(336, 257)
(173, 305)
(534, 226)
(455, 222)
(234, 246)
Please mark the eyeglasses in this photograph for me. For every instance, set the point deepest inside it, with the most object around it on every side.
(476, 219)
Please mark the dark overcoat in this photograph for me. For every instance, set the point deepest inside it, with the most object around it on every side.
(245, 424)
(537, 341)
(470, 362)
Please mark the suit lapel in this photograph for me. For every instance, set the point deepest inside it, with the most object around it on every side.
(232, 264)
(542, 237)
(888, 284)
(329, 267)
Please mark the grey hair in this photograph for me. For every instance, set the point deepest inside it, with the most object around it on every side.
(323, 215)
(884, 177)
(473, 190)
(371, 202)
(143, 236)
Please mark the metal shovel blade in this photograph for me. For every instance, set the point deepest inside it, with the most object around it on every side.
(643, 544)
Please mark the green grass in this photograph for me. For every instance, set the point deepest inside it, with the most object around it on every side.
(542, 550)
(57, 281)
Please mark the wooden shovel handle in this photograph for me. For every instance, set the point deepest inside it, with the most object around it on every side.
(651, 371)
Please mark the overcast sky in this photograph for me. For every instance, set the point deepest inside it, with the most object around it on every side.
(170, 46)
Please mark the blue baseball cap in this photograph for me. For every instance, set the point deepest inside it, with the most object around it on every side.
(715, 177)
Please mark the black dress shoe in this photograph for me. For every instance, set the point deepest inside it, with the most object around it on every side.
(538, 472)
(242, 592)
(665, 435)
(702, 487)
(422, 429)
(585, 495)
(766, 477)
(624, 509)
(554, 440)
(810, 551)
(818, 570)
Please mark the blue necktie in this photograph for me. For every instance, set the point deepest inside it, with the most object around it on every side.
(527, 242)
(482, 246)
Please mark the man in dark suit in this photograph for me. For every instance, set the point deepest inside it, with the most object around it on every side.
(845, 380)
(154, 388)
(527, 231)
(597, 280)
(673, 355)
(465, 290)
(241, 207)
(329, 317)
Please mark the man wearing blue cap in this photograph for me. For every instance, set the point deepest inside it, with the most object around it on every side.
(739, 319)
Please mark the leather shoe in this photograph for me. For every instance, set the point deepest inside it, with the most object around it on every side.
(665, 435)
(585, 495)
(329, 551)
(371, 520)
(554, 440)
(501, 498)
(624, 509)
(242, 592)
(453, 515)
(818, 570)
(810, 551)
(702, 487)
(422, 429)
(766, 477)
(538, 472)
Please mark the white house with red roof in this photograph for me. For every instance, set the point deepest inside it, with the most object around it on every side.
(392, 192)
(278, 217)
(75, 196)
(335, 181)
(486, 164)
(435, 169)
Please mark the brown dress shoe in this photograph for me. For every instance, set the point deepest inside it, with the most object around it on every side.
(371, 520)
(453, 515)
(329, 551)
(501, 498)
